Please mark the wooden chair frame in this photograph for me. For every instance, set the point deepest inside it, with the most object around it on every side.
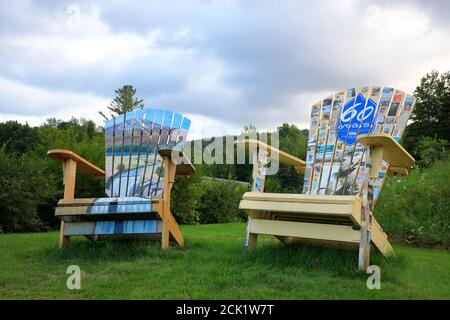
(73, 163)
(339, 221)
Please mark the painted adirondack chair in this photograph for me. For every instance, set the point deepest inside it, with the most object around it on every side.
(353, 143)
(141, 146)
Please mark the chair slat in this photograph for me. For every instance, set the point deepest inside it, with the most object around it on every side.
(333, 148)
(113, 227)
(109, 153)
(151, 118)
(134, 167)
(106, 209)
(164, 141)
(403, 117)
(155, 161)
(134, 146)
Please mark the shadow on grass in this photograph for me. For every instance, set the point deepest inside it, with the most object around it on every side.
(307, 258)
(101, 251)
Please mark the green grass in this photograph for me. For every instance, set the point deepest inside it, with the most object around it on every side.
(211, 266)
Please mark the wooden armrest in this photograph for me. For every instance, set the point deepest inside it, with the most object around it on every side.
(83, 165)
(283, 157)
(384, 147)
(185, 168)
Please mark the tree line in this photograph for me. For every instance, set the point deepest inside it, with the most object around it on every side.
(31, 183)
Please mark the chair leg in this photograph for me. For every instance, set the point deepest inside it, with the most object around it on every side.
(165, 235)
(247, 235)
(364, 249)
(252, 240)
(366, 226)
(63, 240)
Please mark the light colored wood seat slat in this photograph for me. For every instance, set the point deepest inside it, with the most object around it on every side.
(304, 198)
(305, 230)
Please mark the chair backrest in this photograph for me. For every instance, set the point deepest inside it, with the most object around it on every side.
(335, 160)
(133, 165)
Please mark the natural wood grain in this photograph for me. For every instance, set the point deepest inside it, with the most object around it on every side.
(184, 166)
(283, 157)
(304, 198)
(305, 230)
(384, 147)
(83, 165)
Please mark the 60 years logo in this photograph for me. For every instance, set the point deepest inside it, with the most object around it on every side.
(355, 115)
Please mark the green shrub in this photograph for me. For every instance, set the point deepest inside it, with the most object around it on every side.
(24, 186)
(219, 201)
(185, 199)
(430, 150)
(417, 207)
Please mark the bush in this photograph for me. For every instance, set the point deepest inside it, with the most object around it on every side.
(24, 186)
(416, 207)
(430, 150)
(219, 201)
(185, 199)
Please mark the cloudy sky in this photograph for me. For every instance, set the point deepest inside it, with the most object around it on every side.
(224, 63)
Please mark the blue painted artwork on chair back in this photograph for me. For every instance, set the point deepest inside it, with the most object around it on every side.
(133, 166)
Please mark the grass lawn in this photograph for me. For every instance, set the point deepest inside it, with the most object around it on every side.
(211, 266)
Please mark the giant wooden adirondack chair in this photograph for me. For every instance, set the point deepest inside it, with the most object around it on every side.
(141, 147)
(352, 145)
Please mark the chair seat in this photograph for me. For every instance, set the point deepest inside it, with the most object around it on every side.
(112, 207)
(327, 209)
(304, 218)
(104, 217)
(107, 228)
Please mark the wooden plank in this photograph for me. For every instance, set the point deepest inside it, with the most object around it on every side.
(252, 241)
(175, 232)
(128, 227)
(315, 219)
(117, 237)
(304, 198)
(184, 165)
(103, 210)
(392, 151)
(305, 230)
(106, 217)
(306, 217)
(95, 201)
(276, 206)
(63, 240)
(169, 225)
(380, 239)
(83, 165)
(365, 231)
(69, 176)
(397, 171)
(70, 173)
(282, 156)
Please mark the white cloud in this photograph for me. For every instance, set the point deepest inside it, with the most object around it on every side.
(225, 63)
(35, 105)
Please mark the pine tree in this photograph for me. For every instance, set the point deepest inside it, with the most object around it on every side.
(125, 100)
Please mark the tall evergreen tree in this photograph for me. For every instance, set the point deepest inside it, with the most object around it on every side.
(125, 100)
(431, 115)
